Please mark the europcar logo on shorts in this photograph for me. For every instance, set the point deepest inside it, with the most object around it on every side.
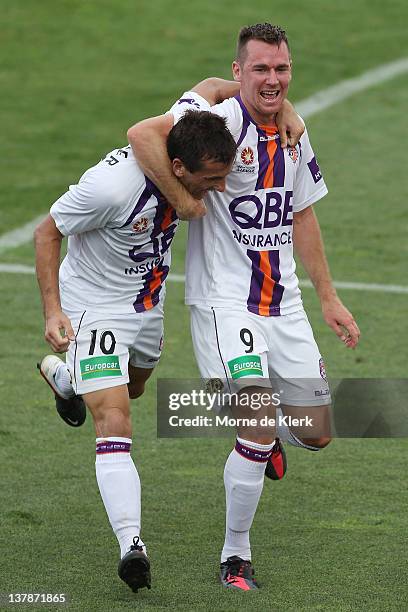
(247, 365)
(247, 156)
(99, 367)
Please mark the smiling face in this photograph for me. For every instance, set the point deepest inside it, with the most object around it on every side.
(264, 71)
(210, 177)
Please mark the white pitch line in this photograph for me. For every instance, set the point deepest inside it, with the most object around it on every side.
(16, 269)
(180, 278)
(337, 93)
(20, 235)
(361, 286)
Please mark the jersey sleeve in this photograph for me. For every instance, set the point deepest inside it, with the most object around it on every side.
(93, 203)
(309, 184)
(190, 100)
(229, 109)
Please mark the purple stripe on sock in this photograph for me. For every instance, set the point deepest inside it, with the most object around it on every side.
(252, 454)
(112, 446)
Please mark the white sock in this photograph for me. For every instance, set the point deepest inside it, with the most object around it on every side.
(243, 478)
(62, 379)
(119, 486)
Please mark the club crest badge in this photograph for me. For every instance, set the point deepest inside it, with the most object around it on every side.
(322, 369)
(247, 156)
(293, 154)
(141, 225)
(214, 385)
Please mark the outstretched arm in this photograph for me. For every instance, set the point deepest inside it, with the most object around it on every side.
(48, 240)
(308, 244)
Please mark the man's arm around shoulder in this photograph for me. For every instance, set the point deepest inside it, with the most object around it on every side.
(148, 141)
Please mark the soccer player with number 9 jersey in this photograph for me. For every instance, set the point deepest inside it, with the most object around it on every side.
(248, 323)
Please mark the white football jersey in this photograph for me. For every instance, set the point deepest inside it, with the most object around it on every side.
(120, 230)
(241, 252)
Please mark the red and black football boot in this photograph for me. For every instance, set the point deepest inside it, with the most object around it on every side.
(236, 573)
(276, 465)
(134, 567)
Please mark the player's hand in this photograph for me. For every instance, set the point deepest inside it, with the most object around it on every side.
(341, 321)
(290, 126)
(190, 209)
(59, 332)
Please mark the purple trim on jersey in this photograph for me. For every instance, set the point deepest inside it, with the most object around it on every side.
(159, 272)
(163, 208)
(263, 159)
(246, 120)
(264, 162)
(112, 446)
(253, 454)
(148, 192)
(257, 279)
(189, 101)
(279, 167)
(278, 289)
(315, 170)
(244, 110)
(161, 236)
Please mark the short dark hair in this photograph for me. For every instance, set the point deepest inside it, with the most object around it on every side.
(201, 136)
(272, 34)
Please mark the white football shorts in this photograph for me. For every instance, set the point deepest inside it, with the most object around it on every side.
(243, 349)
(105, 345)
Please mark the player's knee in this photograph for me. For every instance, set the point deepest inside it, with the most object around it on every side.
(317, 443)
(136, 389)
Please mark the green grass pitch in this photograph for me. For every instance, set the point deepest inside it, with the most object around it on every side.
(332, 536)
